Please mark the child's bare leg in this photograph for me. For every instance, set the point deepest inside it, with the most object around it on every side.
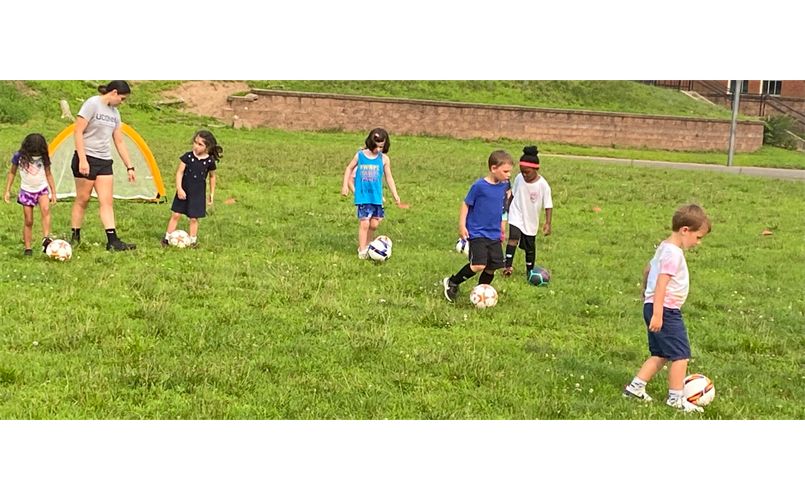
(676, 374)
(193, 227)
(370, 234)
(363, 234)
(27, 229)
(44, 207)
(173, 222)
(651, 367)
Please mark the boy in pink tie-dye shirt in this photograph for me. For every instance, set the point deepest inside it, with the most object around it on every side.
(665, 288)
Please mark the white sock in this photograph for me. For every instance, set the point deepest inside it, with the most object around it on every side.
(674, 395)
(638, 384)
(192, 239)
(167, 235)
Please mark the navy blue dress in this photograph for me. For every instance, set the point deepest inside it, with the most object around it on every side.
(194, 183)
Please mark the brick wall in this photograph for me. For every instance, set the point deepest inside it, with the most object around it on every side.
(312, 111)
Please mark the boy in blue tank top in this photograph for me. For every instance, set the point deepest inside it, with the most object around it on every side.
(372, 166)
(479, 223)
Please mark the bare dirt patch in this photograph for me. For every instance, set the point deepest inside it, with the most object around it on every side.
(25, 90)
(206, 97)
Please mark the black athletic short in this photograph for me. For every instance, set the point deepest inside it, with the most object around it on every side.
(97, 167)
(486, 252)
(527, 243)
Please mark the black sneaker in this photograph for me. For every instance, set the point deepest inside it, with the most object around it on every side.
(45, 242)
(450, 290)
(120, 246)
(28, 253)
(164, 242)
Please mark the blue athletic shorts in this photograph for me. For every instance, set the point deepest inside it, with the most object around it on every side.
(369, 211)
(671, 342)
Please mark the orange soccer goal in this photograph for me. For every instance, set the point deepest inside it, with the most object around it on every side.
(148, 185)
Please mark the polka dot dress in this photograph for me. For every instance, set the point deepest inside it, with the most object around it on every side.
(194, 183)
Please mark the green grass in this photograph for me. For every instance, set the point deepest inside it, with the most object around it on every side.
(276, 318)
(43, 107)
(766, 156)
(621, 96)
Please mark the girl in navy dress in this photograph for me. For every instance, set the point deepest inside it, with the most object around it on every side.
(191, 188)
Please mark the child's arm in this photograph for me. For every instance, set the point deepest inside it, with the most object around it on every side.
(348, 175)
(462, 221)
(546, 229)
(9, 180)
(390, 179)
(352, 182)
(179, 174)
(212, 187)
(51, 185)
(659, 298)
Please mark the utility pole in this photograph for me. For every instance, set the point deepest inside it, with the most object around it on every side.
(736, 98)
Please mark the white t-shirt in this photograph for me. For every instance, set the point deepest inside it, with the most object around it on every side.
(669, 259)
(103, 120)
(32, 176)
(528, 200)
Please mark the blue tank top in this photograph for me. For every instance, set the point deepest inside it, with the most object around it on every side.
(369, 180)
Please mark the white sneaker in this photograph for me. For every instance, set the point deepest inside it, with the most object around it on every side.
(363, 254)
(682, 404)
(629, 392)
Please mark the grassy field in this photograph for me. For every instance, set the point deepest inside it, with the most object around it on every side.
(596, 95)
(274, 317)
(40, 102)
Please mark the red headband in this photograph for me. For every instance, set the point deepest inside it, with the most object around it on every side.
(529, 164)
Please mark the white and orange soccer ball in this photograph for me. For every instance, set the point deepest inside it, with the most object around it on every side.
(698, 390)
(179, 239)
(483, 296)
(59, 250)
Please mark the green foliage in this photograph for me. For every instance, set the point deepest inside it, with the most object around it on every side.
(777, 132)
(15, 107)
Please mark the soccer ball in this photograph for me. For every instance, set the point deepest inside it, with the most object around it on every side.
(539, 276)
(483, 296)
(379, 250)
(385, 239)
(698, 390)
(463, 246)
(179, 239)
(59, 250)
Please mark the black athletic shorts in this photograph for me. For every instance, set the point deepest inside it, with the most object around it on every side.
(486, 252)
(527, 243)
(96, 167)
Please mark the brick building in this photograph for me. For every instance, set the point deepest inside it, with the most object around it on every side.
(777, 88)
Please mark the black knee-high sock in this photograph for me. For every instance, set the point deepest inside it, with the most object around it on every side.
(486, 278)
(76, 234)
(529, 261)
(510, 249)
(111, 235)
(462, 276)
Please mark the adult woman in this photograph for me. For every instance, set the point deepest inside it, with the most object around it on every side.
(99, 121)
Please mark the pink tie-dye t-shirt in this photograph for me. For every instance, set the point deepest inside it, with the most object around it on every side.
(669, 259)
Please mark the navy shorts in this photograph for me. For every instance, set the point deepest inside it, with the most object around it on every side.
(671, 342)
(370, 211)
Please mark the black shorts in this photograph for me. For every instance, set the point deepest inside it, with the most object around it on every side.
(527, 243)
(97, 167)
(486, 252)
